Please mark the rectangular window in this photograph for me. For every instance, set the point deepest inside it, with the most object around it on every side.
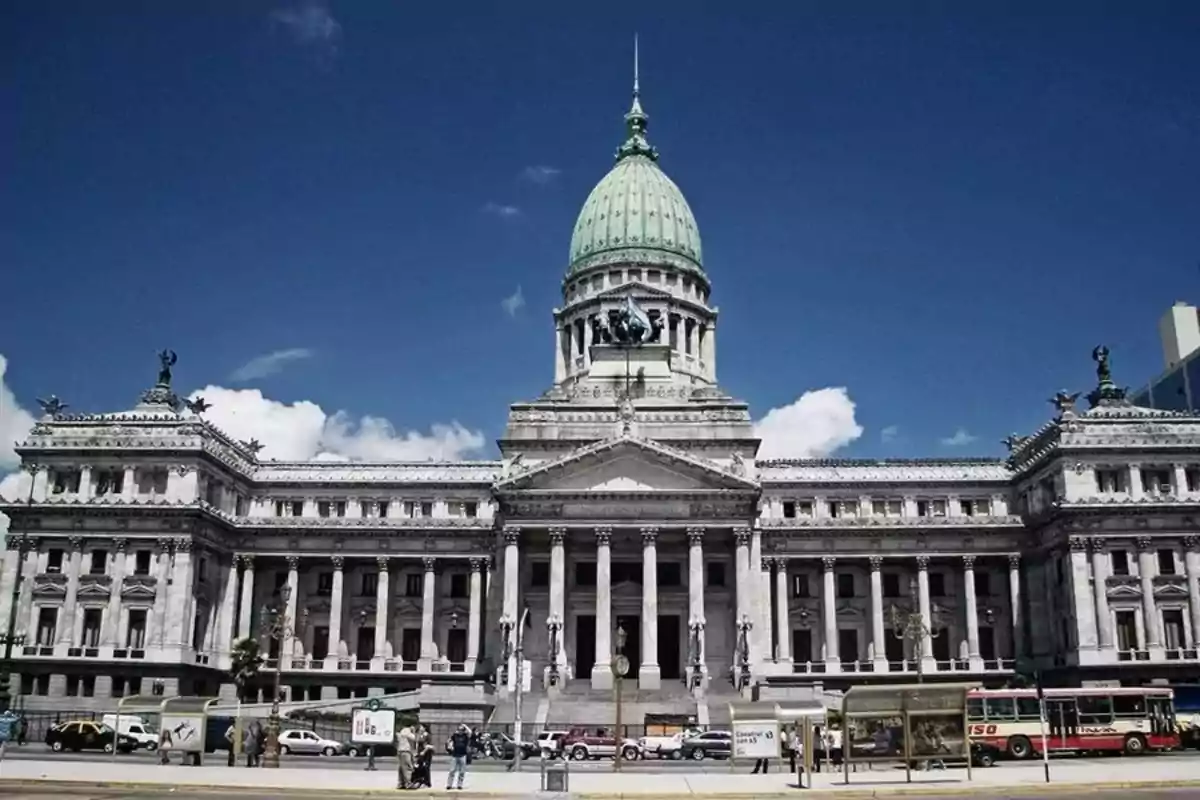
(789, 509)
(413, 584)
(1173, 638)
(983, 584)
(280, 508)
(843, 508)
(135, 636)
(848, 645)
(1192, 475)
(297, 508)
(887, 508)
(426, 509)
(72, 686)
(1000, 709)
(975, 508)
(109, 481)
(54, 561)
(98, 564)
(585, 573)
(1120, 562)
(1156, 482)
(324, 508)
(135, 685)
(539, 574)
(370, 583)
(931, 508)
(324, 584)
(804, 508)
(320, 646)
(47, 625)
(937, 584)
(409, 509)
(845, 585)
(1094, 709)
(240, 507)
(471, 508)
(1166, 562)
(800, 586)
(88, 685)
(1109, 481)
(715, 576)
(669, 573)
(458, 584)
(141, 562)
(1126, 630)
(92, 619)
(891, 584)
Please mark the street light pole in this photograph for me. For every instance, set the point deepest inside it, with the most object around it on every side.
(276, 624)
(10, 637)
(620, 667)
(911, 626)
(520, 652)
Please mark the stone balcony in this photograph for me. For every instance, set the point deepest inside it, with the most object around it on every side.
(908, 667)
(375, 666)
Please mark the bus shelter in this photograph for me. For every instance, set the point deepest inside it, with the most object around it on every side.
(182, 722)
(755, 732)
(803, 717)
(905, 722)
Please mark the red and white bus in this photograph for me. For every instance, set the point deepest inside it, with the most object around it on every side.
(1128, 720)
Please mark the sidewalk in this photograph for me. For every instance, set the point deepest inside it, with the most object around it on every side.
(1122, 773)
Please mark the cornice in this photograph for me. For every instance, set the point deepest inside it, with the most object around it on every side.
(778, 473)
(1007, 521)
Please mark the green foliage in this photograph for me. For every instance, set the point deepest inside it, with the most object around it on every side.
(245, 662)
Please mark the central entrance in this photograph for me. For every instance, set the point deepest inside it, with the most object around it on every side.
(632, 625)
(669, 657)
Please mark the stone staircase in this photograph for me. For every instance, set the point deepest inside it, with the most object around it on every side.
(579, 705)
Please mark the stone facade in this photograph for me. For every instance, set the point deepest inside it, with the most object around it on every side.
(627, 502)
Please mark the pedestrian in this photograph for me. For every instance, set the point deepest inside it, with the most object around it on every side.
(423, 763)
(406, 741)
(460, 748)
(818, 748)
(254, 744)
(787, 740)
(22, 730)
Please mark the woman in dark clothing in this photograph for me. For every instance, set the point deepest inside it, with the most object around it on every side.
(423, 768)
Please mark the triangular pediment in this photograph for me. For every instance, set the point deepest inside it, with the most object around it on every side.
(1170, 590)
(639, 290)
(627, 465)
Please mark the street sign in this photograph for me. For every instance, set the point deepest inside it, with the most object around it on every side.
(373, 724)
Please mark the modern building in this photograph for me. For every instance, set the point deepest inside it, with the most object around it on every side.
(627, 503)
(1178, 387)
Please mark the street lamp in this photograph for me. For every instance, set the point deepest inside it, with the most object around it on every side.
(743, 650)
(554, 627)
(277, 625)
(10, 636)
(506, 629)
(620, 667)
(910, 626)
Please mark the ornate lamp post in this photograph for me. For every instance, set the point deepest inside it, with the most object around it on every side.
(743, 651)
(554, 628)
(277, 625)
(10, 637)
(506, 629)
(620, 668)
(911, 626)
(696, 634)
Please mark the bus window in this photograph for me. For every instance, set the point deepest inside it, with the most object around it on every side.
(1028, 708)
(1000, 708)
(975, 709)
(1129, 705)
(1094, 709)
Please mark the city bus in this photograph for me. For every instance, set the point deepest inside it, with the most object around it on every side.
(1116, 720)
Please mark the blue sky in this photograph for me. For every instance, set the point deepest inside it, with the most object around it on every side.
(941, 207)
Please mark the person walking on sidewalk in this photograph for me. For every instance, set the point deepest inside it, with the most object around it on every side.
(460, 748)
(405, 742)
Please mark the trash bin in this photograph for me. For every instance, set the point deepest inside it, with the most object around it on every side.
(555, 776)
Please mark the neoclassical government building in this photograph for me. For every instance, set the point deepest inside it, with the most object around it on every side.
(627, 502)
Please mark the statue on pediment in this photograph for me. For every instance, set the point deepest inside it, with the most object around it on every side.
(738, 465)
(167, 359)
(1103, 367)
(1064, 402)
(52, 406)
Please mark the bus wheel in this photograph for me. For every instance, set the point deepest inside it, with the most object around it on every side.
(1135, 745)
(1019, 748)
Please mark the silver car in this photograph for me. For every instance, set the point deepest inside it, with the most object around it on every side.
(308, 743)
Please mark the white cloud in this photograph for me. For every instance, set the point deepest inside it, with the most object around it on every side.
(960, 438)
(889, 434)
(501, 210)
(303, 430)
(269, 364)
(310, 24)
(15, 423)
(540, 174)
(513, 303)
(815, 425)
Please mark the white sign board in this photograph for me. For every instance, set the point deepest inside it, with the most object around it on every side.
(756, 739)
(526, 675)
(373, 726)
(182, 733)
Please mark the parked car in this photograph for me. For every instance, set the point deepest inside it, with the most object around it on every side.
(664, 746)
(710, 744)
(550, 743)
(78, 735)
(582, 746)
(984, 754)
(504, 747)
(141, 731)
(308, 743)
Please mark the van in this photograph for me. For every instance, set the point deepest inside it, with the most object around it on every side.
(135, 727)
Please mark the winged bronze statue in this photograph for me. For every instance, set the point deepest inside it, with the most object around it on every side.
(254, 446)
(197, 406)
(52, 406)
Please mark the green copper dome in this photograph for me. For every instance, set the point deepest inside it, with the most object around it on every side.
(636, 213)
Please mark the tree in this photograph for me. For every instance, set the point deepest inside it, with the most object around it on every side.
(245, 662)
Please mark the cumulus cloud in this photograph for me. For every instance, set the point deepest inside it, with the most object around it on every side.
(815, 425)
(269, 364)
(513, 303)
(961, 438)
(540, 174)
(303, 430)
(15, 423)
(311, 25)
(889, 434)
(501, 210)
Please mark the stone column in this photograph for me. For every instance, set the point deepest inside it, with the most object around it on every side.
(246, 615)
(1104, 622)
(1014, 606)
(742, 573)
(112, 617)
(474, 606)
(1082, 597)
(85, 483)
(561, 342)
(287, 647)
(159, 633)
(602, 676)
(712, 349)
(25, 623)
(649, 675)
(760, 634)
(333, 657)
(695, 537)
(1146, 571)
(127, 485)
(229, 597)
(878, 631)
(512, 584)
(66, 627)
(924, 606)
(783, 623)
(833, 661)
(558, 587)
(382, 599)
(972, 613)
(1191, 564)
(766, 610)
(428, 600)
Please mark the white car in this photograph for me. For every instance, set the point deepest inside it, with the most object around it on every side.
(308, 743)
(662, 746)
(135, 727)
(549, 743)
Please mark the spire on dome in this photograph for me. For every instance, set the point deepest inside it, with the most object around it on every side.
(636, 121)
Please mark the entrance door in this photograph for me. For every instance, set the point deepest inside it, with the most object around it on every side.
(670, 662)
(366, 644)
(1062, 721)
(801, 645)
(633, 642)
(456, 645)
(585, 644)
